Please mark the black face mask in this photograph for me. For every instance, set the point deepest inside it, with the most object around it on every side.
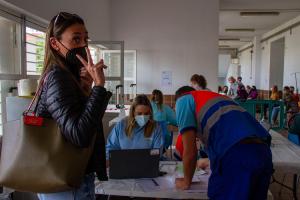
(71, 58)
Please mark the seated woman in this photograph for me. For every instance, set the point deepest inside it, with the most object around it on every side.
(224, 90)
(294, 129)
(164, 114)
(253, 93)
(138, 130)
(241, 93)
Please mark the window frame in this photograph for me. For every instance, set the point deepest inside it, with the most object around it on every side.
(24, 21)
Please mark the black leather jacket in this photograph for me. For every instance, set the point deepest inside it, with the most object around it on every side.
(78, 116)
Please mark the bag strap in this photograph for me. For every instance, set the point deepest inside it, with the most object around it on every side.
(36, 97)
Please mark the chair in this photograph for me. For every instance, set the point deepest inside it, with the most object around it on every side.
(294, 138)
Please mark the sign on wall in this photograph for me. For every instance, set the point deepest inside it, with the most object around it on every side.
(166, 79)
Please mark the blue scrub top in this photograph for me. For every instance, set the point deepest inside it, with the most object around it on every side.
(165, 114)
(118, 139)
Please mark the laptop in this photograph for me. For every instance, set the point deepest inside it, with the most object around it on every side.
(134, 163)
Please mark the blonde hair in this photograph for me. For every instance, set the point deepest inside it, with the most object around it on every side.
(131, 123)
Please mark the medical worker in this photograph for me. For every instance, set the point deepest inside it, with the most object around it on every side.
(237, 145)
(138, 130)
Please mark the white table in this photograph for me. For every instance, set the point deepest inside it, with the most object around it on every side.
(134, 188)
(166, 188)
(286, 158)
(286, 155)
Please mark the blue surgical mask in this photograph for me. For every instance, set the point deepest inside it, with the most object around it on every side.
(142, 120)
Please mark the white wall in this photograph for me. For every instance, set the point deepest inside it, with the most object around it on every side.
(292, 54)
(170, 35)
(96, 13)
(262, 53)
(224, 63)
(247, 67)
(292, 57)
(277, 63)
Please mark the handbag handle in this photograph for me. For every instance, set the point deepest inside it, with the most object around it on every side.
(36, 95)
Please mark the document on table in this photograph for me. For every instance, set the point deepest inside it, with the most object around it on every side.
(169, 168)
(199, 175)
(199, 183)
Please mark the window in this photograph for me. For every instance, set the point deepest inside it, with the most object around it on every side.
(129, 71)
(10, 48)
(110, 52)
(17, 54)
(35, 51)
(112, 58)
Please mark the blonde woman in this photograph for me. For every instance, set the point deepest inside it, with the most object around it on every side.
(138, 131)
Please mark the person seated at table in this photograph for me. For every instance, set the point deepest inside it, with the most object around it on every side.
(274, 96)
(224, 90)
(164, 114)
(295, 95)
(253, 93)
(289, 100)
(294, 129)
(241, 93)
(138, 130)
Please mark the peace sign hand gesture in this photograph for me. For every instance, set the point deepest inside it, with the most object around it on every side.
(95, 70)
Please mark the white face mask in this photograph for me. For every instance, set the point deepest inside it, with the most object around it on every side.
(142, 120)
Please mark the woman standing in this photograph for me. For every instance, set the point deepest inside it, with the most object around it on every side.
(68, 97)
(164, 114)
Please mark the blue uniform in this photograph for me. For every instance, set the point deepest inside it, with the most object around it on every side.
(165, 114)
(118, 139)
(222, 124)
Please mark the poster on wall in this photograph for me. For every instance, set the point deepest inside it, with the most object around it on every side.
(166, 79)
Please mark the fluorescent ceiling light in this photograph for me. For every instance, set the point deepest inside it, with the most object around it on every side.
(239, 29)
(229, 39)
(262, 13)
(224, 46)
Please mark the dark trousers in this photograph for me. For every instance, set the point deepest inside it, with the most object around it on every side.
(243, 173)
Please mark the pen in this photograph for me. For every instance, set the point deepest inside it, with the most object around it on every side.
(155, 183)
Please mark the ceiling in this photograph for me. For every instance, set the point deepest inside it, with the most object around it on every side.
(230, 18)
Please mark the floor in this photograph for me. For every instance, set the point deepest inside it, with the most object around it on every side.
(281, 193)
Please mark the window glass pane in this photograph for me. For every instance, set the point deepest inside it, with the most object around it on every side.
(35, 50)
(113, 60)
(111, 86)
(129, 71)
(10, 47)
